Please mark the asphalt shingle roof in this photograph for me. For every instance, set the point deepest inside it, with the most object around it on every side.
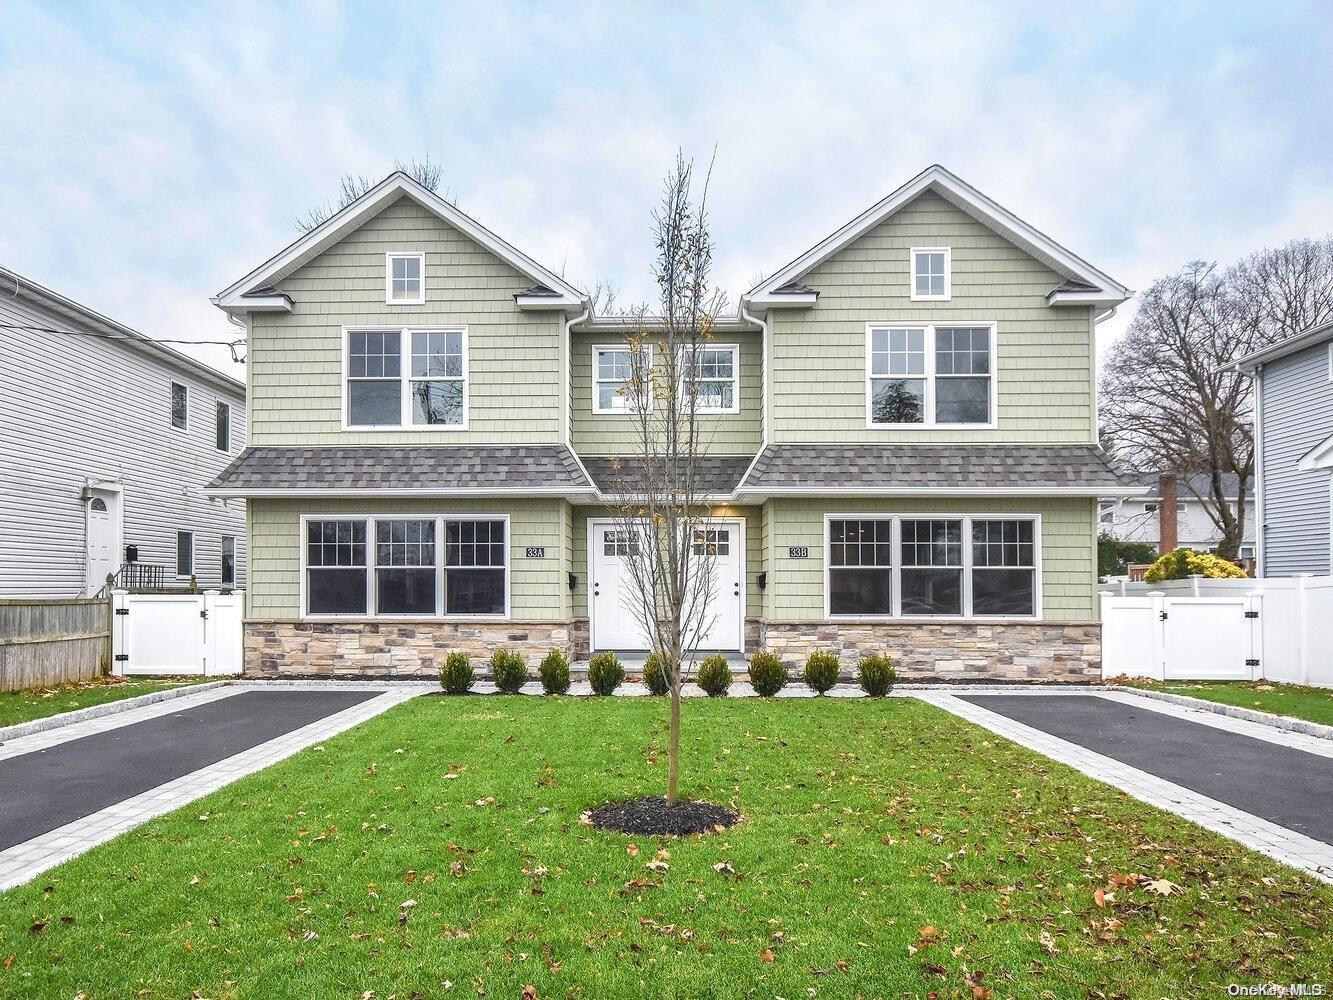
(427, 467)
(1196, 484)
(717, 475)
(917, 466)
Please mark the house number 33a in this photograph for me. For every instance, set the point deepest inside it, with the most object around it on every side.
(798, 552)
(535, 552)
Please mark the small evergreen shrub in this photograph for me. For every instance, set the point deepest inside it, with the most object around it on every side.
(768, 674)
(554, 672)
(714, 675)
(654, 675)
(605, 673)
(877, 674)
(456, 675)
(1180, 564)
(821, 671)
(508, 670)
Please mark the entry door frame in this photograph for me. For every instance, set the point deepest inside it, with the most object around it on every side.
(116, 505)
(739, 523)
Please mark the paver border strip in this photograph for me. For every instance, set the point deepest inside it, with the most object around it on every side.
(1293, 849)
(109, 708)
(24, 862)
(1287, 722)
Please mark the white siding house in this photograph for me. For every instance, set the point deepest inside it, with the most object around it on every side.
(93, 458)
(1137, 519)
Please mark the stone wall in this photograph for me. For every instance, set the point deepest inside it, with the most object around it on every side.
(951, 651)
(388, 649)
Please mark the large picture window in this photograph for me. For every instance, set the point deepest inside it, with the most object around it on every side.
(929, 375)
(923, 567)
(421, 567)
(426, 389)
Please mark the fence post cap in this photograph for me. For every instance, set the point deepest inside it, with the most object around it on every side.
(212, 593)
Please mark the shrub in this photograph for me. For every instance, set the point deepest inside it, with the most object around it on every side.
(456, 675)
(1179, 564)
(508, 670)
(654, 675)
(876, 674)
(714, 675)
(767, 674)
(821, 671)
(554, 672)
(605, 673)
(1114, 555)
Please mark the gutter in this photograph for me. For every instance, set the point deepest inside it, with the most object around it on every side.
(568, 401)
(765, 357)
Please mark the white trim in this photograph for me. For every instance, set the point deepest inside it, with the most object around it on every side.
(963, 196)
(948, 274)
(420, 257)
(440, 521)
(896, 519)
(226, 406)
(194, 556)
(625, 409)
(940, 491)
(1249, 363)
(232, 298)
(171, 407)
(422, 492)
(1319, 458)
(930, 375)
(405, 378)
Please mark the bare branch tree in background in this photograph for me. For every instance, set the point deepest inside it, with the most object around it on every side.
(1168, 401)
(425, 172)
(660, 494)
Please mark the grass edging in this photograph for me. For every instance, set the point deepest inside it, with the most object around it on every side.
(61, 719)
(1284, 722)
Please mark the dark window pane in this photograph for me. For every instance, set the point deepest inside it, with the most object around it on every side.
(228, 561)
(962, 400)
(898, 401)
(437, 403)
(373, 404)
(1003, 592)
(860, 591)
(184, 553)
(336, 591)
(179, 406)
(932, 592)
(474, 591)
(405, 591)
(224, 427)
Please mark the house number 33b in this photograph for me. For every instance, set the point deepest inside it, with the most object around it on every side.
(798, 552)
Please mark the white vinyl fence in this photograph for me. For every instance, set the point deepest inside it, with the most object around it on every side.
(176, 633)
(1277, 629)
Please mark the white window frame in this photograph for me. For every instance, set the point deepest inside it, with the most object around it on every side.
(216, 412)
(625, 407)
(177, 559)
(948, 273)
(405, 378)
(735, 351)
(896, 519)
(441, 520)
(171, 407)
(417, 255)
(929, 376)
(222, 560)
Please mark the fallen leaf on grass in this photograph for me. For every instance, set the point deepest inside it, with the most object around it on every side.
(529, 992)
(724, 868)
(767, 955)
(1161, 886)
(37, 926)
(632, 850)
(657, 865)
(1048, 943)
(9, 960)
(405, 908)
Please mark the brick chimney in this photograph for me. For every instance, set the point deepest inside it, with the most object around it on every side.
(1167, 533)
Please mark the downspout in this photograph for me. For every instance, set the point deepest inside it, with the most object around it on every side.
(568, 397)
(765, 355)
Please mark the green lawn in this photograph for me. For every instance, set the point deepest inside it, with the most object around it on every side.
(887, 849)
(38, 703)
(1309, 703)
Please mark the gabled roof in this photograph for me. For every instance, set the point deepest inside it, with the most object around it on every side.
(1084, 284)
(256, 292)
(1282, 348)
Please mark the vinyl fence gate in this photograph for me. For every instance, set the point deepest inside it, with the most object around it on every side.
(176, 633)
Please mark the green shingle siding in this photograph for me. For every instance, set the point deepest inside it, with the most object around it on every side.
(1045, 355)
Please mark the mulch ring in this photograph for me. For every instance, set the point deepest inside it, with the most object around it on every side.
(651, 816)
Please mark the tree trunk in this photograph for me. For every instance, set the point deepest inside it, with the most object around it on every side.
(673, 744)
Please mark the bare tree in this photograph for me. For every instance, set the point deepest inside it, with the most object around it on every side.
(659, 492)
(1169, 402)
(425, 172)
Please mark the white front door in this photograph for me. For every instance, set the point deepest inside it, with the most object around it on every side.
(614, 623)
(102, 541)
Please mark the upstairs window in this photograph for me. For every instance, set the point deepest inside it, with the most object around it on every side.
(612, 374)
(426, 390)
(180, 406)
(404, 279)
(714, 372)
(223, 429)
(925, 375)
(930, 274)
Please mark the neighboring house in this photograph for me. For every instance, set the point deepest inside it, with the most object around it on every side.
(903, 450)
(1142, 519)
(107, 441)
(1293, 415)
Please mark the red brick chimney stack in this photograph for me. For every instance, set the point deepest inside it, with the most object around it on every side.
(1168, 533)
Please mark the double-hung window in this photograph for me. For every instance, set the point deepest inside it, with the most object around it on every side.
(930, 375)
(928, 567)
(619, 378)
(404, 279)
(420, 567)
(712, 372)
(931, 279)
(407, 378)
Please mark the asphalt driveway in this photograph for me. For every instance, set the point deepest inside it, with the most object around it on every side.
(46, 789)
(1288, 787)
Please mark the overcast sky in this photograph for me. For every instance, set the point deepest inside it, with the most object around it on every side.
(150, 157)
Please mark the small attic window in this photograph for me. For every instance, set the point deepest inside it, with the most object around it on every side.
(404, 279)
(930, 274)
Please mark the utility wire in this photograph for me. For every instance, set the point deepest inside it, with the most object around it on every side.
(231, 345)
